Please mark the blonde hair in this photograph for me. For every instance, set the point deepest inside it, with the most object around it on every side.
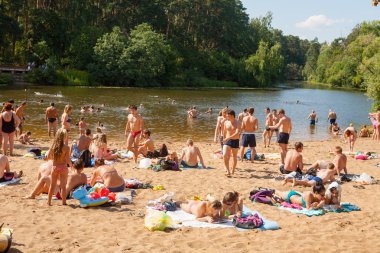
(216, 205)
(58, 143)
(101, 138)
(68, 108)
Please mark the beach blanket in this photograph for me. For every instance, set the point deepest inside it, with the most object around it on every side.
(188, 220)
(346, 207)
(197, 168)
(15, 180)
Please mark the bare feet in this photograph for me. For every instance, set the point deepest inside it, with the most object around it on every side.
(20, 173)
(49, 203)
(29, 197)
(228, 174)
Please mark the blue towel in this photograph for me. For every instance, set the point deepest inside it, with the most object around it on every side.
(268, 224)
(346, 207)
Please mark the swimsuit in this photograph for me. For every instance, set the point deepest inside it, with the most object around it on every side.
(60, 169)
(184, 164)
(232, 143)
(294, 193)
(117, 189)
(134, 134)
(318, 180)
(284, 171)
(8, 176)
(312, 122)
(248, 140)
(8, 127)
(51, 120)
(283, 138)
(332, 121)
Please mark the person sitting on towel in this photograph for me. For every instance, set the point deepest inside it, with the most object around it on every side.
(111, 179)
(82, 145)
(5, 173)
(232, 205)
(190, 155)
(293, 160)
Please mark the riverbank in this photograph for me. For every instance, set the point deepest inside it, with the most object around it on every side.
(39, 228)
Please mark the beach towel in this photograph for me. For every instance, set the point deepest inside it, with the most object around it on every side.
(15, 180)
(182, 167)
(346, 207)
(183, 218)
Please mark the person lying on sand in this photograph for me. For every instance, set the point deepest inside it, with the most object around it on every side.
(5, 172)
(190, 155)
(232, 205)
(307, 199)
(293, 160)
(203, 210)
(111, 179)
(75, 178)
(323, 176)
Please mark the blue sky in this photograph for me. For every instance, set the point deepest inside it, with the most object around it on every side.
(325, 19)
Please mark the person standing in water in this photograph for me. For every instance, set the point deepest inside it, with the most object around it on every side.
(285, 128)
(136, 125)
(51, 118)
(313, 118)
(331, 117)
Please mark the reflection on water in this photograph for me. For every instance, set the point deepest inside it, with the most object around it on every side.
(168, 120)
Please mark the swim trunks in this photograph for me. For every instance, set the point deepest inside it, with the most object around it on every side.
(52, 120)
(248, 140)
(283, 138)
(117, 189)
(318, 180)
(185, 165)
(232, 143)
(332, 121)
(312, 122)
(294, 193)
(134, 134)
(284, 171)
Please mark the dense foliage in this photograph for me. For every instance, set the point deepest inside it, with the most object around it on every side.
(147, 42)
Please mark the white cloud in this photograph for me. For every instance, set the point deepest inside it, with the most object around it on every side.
(318, 21)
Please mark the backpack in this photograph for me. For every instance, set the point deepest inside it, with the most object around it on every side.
(249, 222)
(86, 157)
(168, 165)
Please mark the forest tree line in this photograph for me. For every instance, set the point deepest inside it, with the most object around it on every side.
(176, 43)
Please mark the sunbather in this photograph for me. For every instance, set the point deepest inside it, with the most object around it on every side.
(5, 173)
(111, 178)
(232, 205)
(204, 210)
(333, 194)
(309, 200)
(322, 177)
(190, 155)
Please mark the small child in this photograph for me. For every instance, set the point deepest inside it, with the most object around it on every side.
(82, 126)
(25, 138)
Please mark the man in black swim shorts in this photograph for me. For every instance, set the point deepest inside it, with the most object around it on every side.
(285, 128)
(231, 141)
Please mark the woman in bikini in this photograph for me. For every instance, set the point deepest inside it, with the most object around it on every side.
(111, 179)
(66, 120)
(309, 200)
(59, 152)
(9, 122)
(204, 210)
(351, 135)
(232, 205)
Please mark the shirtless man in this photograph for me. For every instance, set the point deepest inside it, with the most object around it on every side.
(147, 148)
(293, 160)
(364, 132)
(82, 126)
(285, 128)
(231, 141)
(5, 172)
(220, 127)
(340, 161)
(313, 118)
(331, 117)
(323, 176)
(190, 155)
(249, 127)
(51, 118)
(243, 114)
(112, 180)
(193, 113)
(267, 131)
(75, 178)
(136, 125)
(83, 144)
(20, 114)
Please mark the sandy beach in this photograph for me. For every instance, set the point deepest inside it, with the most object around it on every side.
(40, 228)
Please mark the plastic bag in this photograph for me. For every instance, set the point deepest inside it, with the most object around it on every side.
(145, 163)
(365, 179)
(158, 221)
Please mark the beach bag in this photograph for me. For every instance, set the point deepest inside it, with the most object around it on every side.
(312, 172)
(158, 220)
(261, 196)
(86, 158)
(36, 151)
(249, 222)
(168, 165)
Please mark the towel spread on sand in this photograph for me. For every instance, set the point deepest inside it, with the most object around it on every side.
(346, 207)
(189, 220)
(15, 180)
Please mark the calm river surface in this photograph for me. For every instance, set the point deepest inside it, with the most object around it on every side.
(168, 121)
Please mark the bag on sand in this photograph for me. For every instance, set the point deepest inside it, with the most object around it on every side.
(248, 222)
(158, 220)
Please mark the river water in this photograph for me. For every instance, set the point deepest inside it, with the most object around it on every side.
(168, 120)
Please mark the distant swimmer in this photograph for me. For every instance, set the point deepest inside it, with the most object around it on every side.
(313, 118)
(209, 111)
(285, 128)
(51, 118)
(267, 134)
(136, 125)
(193, 112)
(331, 117)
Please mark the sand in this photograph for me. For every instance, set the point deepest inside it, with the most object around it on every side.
(40, 228)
